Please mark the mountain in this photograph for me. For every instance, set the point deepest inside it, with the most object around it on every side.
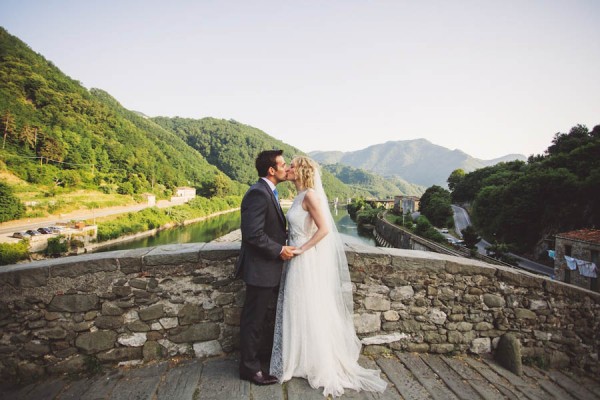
(416, 161)
(56, 133)
(377, 186)
(233, 146)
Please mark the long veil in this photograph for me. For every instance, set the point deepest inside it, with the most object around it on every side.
(335, 245)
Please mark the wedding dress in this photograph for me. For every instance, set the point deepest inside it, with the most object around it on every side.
(314, 331)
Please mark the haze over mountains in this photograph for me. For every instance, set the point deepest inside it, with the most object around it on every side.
(417, 161)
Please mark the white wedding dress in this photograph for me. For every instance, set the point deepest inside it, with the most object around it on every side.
(314, 331)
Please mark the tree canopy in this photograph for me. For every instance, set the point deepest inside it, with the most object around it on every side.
(522, 203)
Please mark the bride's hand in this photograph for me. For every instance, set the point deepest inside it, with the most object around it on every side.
(298, 251)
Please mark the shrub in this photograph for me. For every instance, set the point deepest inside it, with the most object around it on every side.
(10, 253)
(57, 246)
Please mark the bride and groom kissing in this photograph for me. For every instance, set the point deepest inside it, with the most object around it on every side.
(314, 336)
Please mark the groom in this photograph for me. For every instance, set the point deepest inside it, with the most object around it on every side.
(261, 259)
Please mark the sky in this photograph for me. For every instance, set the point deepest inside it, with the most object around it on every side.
(489, 78)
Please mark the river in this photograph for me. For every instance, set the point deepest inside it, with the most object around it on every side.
(212, 228)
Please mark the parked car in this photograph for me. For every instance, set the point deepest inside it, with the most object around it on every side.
(21, 235)
(444, 230)
(55, 229)
(44, 231)
(31, 232)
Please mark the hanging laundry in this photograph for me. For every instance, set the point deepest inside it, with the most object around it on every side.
(571, 263)
(551, 254)
(587, 269)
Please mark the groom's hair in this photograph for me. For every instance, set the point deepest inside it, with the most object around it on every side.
(265, 160)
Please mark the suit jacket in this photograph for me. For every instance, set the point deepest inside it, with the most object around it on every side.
(263, 235)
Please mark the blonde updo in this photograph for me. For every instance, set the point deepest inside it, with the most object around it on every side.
(305, 171)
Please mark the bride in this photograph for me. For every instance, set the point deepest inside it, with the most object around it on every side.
(314, 330)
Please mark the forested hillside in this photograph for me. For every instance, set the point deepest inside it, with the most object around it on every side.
(233, 146)
(522, 203)
(377, 186)
(57, 133)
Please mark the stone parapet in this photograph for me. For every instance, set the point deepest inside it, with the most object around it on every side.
(132, 306)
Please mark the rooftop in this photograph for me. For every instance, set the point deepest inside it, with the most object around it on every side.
(584, 235)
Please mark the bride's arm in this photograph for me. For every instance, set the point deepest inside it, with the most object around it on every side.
(312, 204)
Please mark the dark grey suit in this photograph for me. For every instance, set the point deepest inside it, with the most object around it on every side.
(259, 265)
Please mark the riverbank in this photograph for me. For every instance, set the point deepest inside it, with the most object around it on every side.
(140, 235)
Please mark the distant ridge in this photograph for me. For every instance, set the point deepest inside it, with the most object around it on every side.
(417, 161)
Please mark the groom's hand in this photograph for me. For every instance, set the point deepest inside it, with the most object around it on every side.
(287, 252)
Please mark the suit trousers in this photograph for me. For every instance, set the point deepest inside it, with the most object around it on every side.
(253, 321)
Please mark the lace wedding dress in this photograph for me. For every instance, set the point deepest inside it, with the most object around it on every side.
(314, 331)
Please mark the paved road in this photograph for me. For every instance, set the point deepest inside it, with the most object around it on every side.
(409, 376)
(462, 220)
(8, 228)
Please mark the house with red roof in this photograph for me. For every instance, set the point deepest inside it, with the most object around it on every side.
(576, 258)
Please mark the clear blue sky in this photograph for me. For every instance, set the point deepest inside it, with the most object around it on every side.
(486, 77)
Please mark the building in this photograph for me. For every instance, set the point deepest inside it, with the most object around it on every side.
(183, 194)
(150, 199)
(406, 204)
(576, 258)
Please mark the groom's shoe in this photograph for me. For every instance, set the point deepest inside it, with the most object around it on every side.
(259, 378)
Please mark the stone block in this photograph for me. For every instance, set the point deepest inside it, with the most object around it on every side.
(173, 254)
(153, 312)
(26, 276)
(207, 349)
(87, 264)
(375, 303)
(108, 322)
(437, 316)
(402, 293)
(135, 339)
(493, 301)
(153, 351)
(508, 353)
(94, 342)
(441, 348)
(481, 346)
(197, 333)
(391, 315)
(367, 323)
(74, 302)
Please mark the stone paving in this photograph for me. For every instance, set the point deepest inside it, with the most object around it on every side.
(410, 376)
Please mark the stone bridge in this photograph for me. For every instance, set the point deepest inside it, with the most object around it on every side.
(134, 306)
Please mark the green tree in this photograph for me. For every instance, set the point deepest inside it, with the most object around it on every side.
(455, 178)
(10, 206)
(435, 204)
(470, 237)
(8, 126)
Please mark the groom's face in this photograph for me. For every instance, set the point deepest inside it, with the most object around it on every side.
(280, 172)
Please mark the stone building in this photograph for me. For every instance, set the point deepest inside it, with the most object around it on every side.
(406, 204)
(576, 258)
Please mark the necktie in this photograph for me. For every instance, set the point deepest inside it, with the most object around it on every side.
(276, 194)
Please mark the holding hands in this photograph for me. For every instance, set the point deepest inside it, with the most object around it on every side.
(287, 252)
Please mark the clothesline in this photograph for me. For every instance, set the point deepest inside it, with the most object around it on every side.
(586, 268)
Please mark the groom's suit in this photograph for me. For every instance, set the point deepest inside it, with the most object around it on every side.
(259, 265)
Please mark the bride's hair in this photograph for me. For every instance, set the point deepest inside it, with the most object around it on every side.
(305, 171)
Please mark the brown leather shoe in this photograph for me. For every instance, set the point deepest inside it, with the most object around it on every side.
(259, 379)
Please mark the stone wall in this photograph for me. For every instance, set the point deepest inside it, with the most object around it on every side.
(131, 306)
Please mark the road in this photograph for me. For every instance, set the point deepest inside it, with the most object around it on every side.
(8, 228)
(462, 220)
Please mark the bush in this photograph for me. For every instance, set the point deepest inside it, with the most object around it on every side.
(57, 246)
(10, 253)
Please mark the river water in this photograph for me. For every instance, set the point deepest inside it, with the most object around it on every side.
(212, 228)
